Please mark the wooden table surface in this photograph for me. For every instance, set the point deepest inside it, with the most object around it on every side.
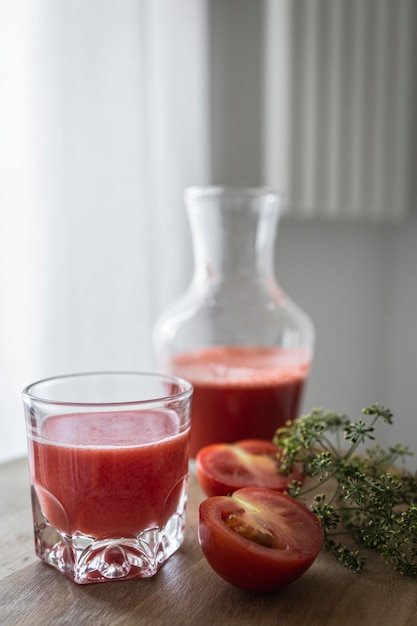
(186, 590)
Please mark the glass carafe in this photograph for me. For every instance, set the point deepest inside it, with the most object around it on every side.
(245, 346)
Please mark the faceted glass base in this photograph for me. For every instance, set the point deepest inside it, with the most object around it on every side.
(87, 560)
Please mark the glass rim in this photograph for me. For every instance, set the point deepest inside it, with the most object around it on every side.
(222, 190)
(186, 388)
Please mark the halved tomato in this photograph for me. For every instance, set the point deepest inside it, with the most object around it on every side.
(258, 539)
(221, 468)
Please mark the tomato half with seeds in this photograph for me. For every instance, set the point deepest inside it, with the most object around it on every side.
(258, 539)
(223, 468)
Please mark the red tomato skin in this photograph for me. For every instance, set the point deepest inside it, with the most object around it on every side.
(218, 469)
(246, 564)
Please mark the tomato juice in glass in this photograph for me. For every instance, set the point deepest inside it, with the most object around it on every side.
(109, 480)
(106, 474)
(242, 392)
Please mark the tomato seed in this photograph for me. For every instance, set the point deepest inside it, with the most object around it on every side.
(259, 535)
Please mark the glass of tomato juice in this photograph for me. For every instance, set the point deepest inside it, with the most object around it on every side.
(108, 460)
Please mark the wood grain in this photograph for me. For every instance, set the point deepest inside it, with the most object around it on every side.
(186, 591)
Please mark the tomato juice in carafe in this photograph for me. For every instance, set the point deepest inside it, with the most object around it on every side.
(245, 346)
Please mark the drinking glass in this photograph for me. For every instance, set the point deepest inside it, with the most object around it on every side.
(108, 458)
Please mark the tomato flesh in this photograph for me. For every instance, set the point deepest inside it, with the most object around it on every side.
(258, 539)
(223, 468)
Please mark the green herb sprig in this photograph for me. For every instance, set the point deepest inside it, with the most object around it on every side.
(372, 503)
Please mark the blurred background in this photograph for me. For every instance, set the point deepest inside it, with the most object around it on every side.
(110, 108)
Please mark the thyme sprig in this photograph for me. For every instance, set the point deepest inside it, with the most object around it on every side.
(372, 502)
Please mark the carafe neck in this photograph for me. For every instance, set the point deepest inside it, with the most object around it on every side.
(233, 231)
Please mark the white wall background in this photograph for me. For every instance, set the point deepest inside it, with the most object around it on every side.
(107, 111)
(359, 283)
